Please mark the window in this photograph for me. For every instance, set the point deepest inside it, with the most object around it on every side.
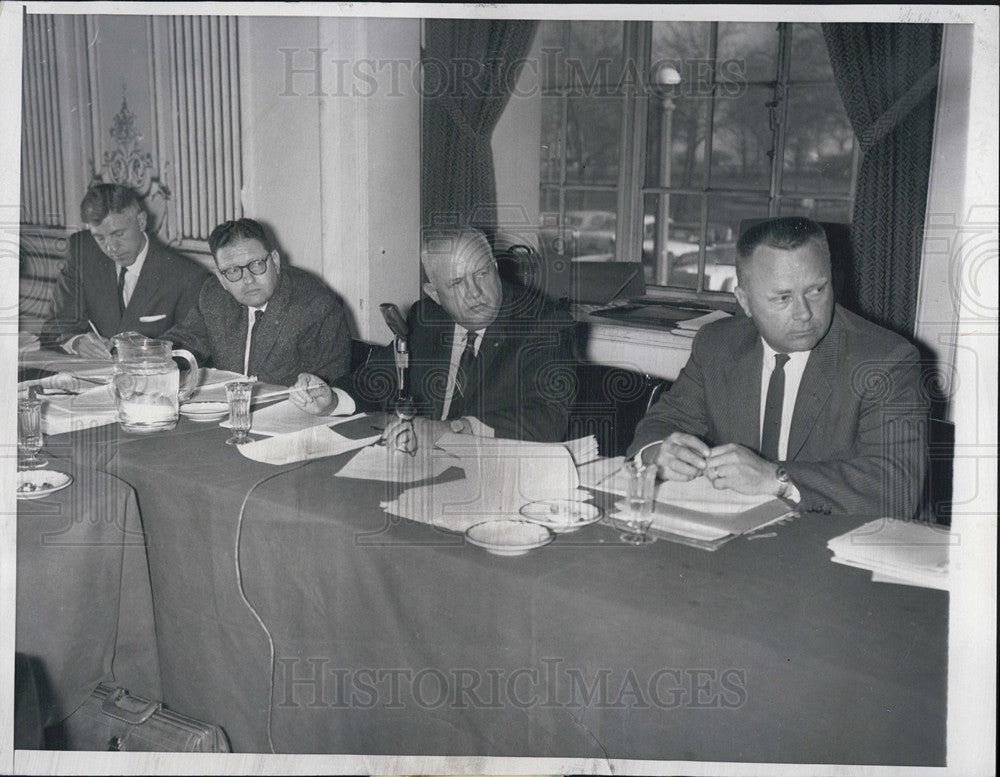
(659, 138)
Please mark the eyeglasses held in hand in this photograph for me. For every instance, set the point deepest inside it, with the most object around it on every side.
(256, 267)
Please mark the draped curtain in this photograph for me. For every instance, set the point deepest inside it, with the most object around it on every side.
(470, 68)
(887, 76)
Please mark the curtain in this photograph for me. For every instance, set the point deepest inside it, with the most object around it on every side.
(887, 76)
(470, 68)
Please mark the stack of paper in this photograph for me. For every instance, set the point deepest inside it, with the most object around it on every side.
(311, 443)
(895, 551)
(93, 407)
(501, 476)
(583, 450)
(690, 327)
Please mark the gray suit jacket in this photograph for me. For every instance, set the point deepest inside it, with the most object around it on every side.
(303, 330)
(857, 439)
(87, 290)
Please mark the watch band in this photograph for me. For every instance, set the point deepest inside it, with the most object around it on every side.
(784, 481)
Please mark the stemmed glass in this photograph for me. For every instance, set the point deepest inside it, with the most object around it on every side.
(641, 491)
(238, 395)
(29, 432)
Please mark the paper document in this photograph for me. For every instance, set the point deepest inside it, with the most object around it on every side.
(897, 551)
(698, 494)
(312, 443)
(694, 324)
(93, 407)
(285, 417)
(378, 462)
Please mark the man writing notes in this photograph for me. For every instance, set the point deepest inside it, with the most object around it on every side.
(799, 398)
(485, 356)
(116, 279)
(259, 318)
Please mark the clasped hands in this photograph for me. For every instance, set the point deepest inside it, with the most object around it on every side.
(683, 457)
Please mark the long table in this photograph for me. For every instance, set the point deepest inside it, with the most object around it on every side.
(346, 631)
(84, 607)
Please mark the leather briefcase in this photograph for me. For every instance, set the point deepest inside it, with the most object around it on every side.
(111, 719)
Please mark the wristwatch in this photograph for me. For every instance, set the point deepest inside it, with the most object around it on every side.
(784, 481)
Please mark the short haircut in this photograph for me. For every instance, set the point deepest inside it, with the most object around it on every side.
(448, 243)
(236, 231)
(105, 198)
(785, 234)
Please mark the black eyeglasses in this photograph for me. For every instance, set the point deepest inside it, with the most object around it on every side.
(256, 267)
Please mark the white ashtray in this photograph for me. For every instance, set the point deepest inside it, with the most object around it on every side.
(561, 515)
(38, 483)
(512, 537)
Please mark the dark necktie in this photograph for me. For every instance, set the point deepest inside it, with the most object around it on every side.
(771, 431)
(465, 366)
(258, 316)
(121, 291)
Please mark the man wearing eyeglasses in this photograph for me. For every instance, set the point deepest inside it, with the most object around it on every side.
(261, 319)
(486, 357)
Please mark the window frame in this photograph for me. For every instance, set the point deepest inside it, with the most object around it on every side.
(632, 157)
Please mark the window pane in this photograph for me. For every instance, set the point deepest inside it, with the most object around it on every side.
(677, 122)
(587, 228)
(685, 47)
(595, 53)
(810, 60)
(555, 41)
(838, 211)
(726, 212)
(741, 139)
(552, 140)
(819, 144)
(747, 52)
(593, 128)
(664, 245)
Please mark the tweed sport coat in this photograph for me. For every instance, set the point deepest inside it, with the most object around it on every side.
(304, 329)
(857, 442)
(87, 290)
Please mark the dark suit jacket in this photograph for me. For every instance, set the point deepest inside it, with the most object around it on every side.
(857, 440)
(522, 380)
(303, 330)
(87, 289)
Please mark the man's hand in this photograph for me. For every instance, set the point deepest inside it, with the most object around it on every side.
(411, 436)
(740, 469)
(92, 346)
(681, 456)
(312, 395)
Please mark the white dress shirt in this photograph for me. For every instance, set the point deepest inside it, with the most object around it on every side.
(794, 368)
(131, 280)
(457, 347)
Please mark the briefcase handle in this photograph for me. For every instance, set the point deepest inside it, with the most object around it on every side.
(129, 709)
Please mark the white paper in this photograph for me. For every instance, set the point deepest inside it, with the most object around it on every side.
(698, 494)
(93, 407)
(285, 417)
(697, 323)
(312, 443)
(379, 463)
(897, 551)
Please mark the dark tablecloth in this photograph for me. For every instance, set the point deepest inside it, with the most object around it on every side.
(397, 638)
(84, 607)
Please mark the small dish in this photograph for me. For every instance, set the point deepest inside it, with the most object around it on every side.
(561, 515)
(512, 537)
(203, 412)
(39, 483)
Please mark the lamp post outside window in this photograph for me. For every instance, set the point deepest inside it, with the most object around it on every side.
(665, 77)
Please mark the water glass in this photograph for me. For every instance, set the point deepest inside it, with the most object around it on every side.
(641, 492)
(29, 432)
(238, 395)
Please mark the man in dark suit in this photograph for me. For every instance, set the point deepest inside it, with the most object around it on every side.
(798, 398)
(116, 278)
(259, 318)
(486, 357)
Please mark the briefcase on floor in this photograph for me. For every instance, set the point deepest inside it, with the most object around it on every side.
(111, 719)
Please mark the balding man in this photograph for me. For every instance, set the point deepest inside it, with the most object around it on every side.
(486, 357)
(799, 398)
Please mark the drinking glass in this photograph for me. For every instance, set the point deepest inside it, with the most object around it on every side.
(641, 490)
(238, 395)
(29, 432)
